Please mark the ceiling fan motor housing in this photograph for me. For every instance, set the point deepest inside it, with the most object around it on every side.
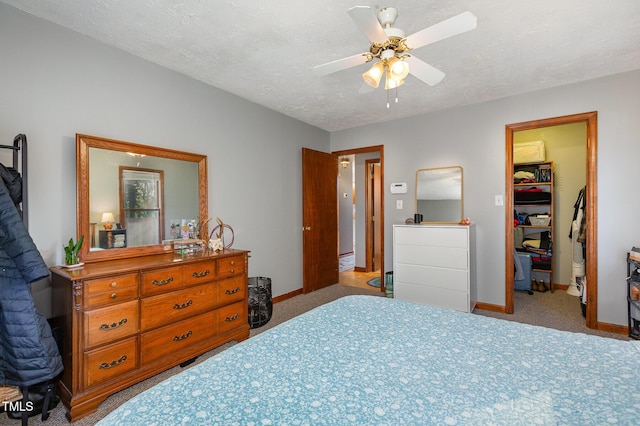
(387, 16)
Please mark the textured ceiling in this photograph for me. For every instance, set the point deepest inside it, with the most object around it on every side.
(264, 50)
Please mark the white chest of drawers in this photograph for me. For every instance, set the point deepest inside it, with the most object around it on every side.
(435, 265)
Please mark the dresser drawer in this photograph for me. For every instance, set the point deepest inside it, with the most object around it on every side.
(432, 236)
(426, 276)
(232, 316)
(111, 323)
(163, 309)
(232, 290)
(110, 290)
(444, 297)
(230, 266)
(178, 337)
(442, 257)
(199, 272)
(161, 280)
(110, 362)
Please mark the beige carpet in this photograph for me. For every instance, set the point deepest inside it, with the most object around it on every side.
(557, 310)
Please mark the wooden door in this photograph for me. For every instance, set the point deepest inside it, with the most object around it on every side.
(319, 220)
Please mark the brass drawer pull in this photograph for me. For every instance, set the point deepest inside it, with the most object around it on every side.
(184, 336)
(233, 318)
(162, 282)
(104, 365)
(114, 295)
(107, 327)
(183, 305)
(233, 262)
(200, 274)
(114, 284)
(234, 291)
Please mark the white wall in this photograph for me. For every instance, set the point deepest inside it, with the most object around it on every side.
(56, 83)
(474, 138)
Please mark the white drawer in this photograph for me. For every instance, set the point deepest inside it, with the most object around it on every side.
(426, 276)
(444, 257)
(432, 236)
(447, 298)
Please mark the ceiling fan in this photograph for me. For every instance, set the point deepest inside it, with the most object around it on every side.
(391, 46)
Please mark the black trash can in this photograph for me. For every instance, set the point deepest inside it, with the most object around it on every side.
(260, 301)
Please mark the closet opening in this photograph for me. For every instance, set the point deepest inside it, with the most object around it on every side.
(563, 199)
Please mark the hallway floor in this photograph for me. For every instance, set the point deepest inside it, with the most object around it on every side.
(358, 279)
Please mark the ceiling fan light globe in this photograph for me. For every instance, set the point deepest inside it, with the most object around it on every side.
(373, 76)
(392, 83)
(398, 69)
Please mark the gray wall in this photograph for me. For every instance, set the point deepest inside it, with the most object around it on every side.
(56, 83)
(474, 138)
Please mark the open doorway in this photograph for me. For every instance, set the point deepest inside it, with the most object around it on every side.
(590, 212)
(361, 211)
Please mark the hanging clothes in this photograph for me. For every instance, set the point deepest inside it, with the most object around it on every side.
(28, 352)
(579, 207)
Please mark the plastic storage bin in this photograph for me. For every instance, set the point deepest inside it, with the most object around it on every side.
(525, 262)
(388, 284)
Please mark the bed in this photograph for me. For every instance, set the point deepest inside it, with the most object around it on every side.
(372, 360)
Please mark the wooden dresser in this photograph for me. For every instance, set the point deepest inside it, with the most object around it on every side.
(126, 320)
(435, 265)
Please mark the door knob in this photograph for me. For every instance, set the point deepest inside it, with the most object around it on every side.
(306, 228)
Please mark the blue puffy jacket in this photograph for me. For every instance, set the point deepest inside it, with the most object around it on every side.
(28, 352)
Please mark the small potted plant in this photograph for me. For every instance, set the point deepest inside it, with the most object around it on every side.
(71, 251)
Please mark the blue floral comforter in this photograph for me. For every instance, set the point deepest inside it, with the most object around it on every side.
(367, 360)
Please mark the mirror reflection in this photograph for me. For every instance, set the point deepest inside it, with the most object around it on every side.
(141, 192)
(133, 199)
(439, 194)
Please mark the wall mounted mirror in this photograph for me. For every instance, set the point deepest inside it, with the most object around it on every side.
(133, 199)
(439, 194)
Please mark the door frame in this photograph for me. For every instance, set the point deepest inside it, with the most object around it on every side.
(380, 150)
(370, 216)
(591, 206)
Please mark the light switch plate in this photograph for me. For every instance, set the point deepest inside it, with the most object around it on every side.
(399, 204)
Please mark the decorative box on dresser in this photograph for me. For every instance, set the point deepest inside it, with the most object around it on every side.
(126, 320)
(435, 265)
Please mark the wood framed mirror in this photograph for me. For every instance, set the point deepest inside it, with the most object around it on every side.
(439, 194)
(144, 209)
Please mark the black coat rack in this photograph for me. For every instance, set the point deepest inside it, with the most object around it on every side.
(19, 148)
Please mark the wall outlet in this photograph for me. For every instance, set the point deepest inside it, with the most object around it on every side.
(499, 200)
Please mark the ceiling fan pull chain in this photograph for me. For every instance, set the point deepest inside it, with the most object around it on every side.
(396, 94)
(387, 98)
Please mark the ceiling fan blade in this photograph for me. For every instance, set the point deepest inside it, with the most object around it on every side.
(458, 24)
(423, 71)
(367, 22)
(339, 65)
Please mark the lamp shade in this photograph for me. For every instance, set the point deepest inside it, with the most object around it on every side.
(392, 83)
(398, 68)
(373, 76)
(107, 218)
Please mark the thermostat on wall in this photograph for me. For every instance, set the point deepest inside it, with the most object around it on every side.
(399, 188)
